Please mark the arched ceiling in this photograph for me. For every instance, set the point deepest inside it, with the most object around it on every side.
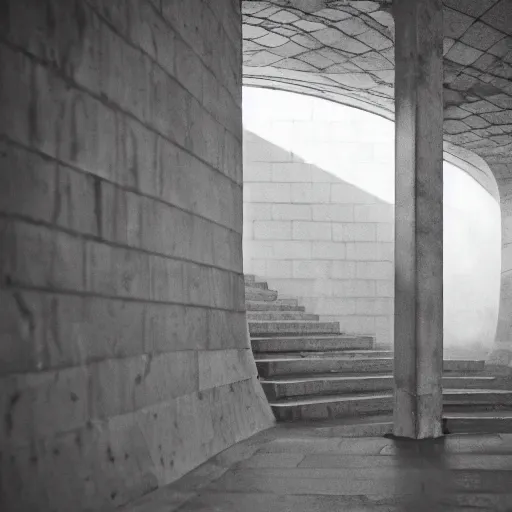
(344, 51)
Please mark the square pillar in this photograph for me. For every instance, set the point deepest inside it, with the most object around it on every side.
(418, 356)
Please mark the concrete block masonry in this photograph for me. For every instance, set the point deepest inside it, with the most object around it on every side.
(124, 354)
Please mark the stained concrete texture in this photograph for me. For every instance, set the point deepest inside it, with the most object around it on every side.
(285, 469)
(418, 363)
(124, 354)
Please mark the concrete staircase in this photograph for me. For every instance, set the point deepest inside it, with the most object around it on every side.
(311, 372)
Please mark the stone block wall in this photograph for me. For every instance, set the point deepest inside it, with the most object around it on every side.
(318, 203)
(314, 236)
(124, 354)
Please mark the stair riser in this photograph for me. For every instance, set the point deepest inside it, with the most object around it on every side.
(333, 410)
(273, 306)
(326, 365)
(346, 354)
(479, 426)
(477, 407)
(260, 295)
(385, 383)
(277, 316)
(481, 399)
(311, 366)
(304, 344)
(325, 387)
(475, 382)
(271, 329)
(455, 426)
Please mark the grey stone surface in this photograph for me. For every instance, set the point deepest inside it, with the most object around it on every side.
(333, 406)
(293, 365)
(308, 343)
(290, 328)
(418, 220)
(290, 469)
(124, 356)
(272, 306)
(307, 385)
(257, 294)
(280, 315)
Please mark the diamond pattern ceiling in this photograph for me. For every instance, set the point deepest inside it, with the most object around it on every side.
(344, 49)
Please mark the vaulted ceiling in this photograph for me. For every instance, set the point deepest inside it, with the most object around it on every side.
(344, 51)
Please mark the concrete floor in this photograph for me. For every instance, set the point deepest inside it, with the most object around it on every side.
(287, 469)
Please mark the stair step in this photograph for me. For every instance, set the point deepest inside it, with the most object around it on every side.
(279, 316)
(454, 381)
(323, 407)
(252, 293)
(292, 328)
(325, 384)
(347, 354)
(382, 424)
(305, 343)
(277, 305)
(478, 396)
(478, 422)
(285, 301)
(371, 425)
(378, 425)
(294, 365)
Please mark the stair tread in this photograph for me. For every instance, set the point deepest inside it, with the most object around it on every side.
(280, 316)
(345, 397)
(286, 322)
(460, 415)
(319, 354)
(322, 399)
(291, 378)
(279, 300)
(479, 391)
(328, 358)
(313, 337)
(367, 419)
(337, 357)
(262, 302)
(270, 307)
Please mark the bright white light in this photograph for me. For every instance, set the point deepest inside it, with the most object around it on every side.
(358, 147)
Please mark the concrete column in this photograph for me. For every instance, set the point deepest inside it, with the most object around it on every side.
(418, 218)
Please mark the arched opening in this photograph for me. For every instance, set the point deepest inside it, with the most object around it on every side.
(318, 226)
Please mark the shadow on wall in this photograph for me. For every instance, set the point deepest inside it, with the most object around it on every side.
(314, 236)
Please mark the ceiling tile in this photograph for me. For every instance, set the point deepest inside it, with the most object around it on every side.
(455, 23)
(474, 8)
(500, 16)
(482, 36)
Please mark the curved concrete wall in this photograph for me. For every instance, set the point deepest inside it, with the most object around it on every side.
(319, 193)
(124, 354)
(503, 352)
(472, 262)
